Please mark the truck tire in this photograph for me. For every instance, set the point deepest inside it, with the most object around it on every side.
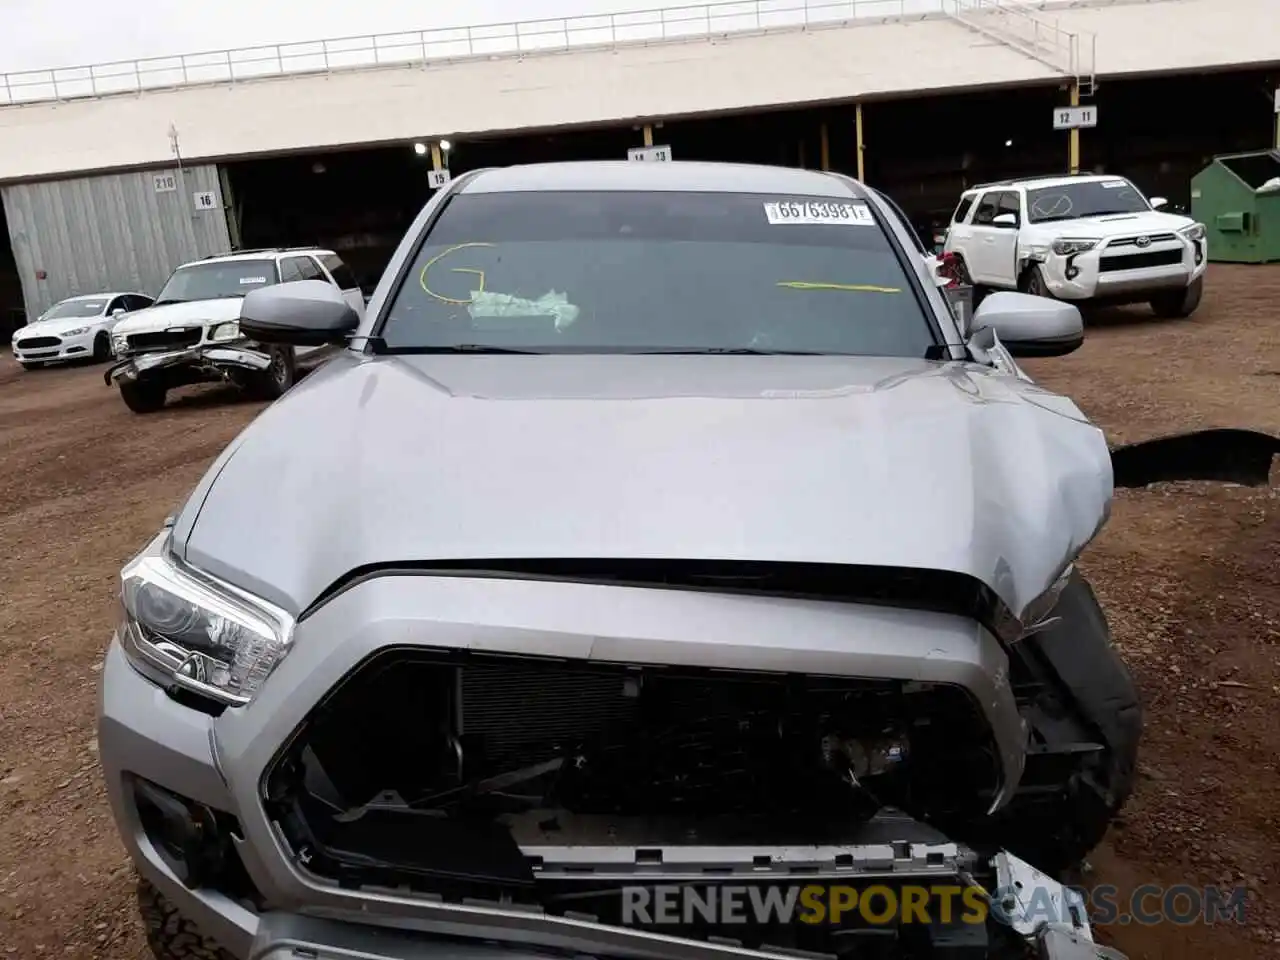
(1032, 282)
(142, 396)
(1179, 304)
(169, 935)
(273, 382)
(1089, 698)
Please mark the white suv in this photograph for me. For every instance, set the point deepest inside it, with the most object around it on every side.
(192, 332)
(1093, 239)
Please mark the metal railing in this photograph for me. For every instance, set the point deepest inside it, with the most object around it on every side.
(422, 47)
(1032, 34)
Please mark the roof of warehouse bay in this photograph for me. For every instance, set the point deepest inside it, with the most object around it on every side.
(617, 82)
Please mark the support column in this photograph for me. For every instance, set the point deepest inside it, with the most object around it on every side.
(437, 157)
(648, 135)
(1278, 118)
(824, 147)
(1073, 135)
(857, 123)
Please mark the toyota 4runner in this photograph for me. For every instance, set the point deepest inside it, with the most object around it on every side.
(1093, 239)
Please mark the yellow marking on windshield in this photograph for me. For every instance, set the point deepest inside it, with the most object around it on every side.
(850, 287)
(447, 251)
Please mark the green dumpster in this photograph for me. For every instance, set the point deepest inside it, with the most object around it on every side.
(1237, 198)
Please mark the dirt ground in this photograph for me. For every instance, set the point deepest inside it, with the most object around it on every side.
(1188, 572)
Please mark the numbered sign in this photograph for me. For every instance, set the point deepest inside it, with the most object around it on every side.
(165, 182)
(437, 178)
(650, 154)
(205, 200)
(1074, 118)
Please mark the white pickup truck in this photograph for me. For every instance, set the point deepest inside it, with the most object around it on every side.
(1087, 239)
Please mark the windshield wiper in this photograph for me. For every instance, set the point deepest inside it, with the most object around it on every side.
(731, 351)
(450, 348)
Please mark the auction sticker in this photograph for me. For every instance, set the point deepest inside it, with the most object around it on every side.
(818, 212)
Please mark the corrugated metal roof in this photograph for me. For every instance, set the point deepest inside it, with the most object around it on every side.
(616, 84)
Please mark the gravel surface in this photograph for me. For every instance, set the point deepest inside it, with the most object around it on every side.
(1188, 573)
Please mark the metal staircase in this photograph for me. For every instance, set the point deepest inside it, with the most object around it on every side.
(1012, 24)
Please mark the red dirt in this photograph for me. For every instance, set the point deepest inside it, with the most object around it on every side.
(1188, 573)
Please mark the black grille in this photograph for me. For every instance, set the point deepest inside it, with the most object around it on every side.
(35, 343)
(1137, 261)
(639, 739)
(165, 339)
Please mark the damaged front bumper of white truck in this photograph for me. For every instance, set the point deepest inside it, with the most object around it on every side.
(201, 364)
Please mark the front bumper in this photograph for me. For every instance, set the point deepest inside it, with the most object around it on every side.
(143, 732)
(67, 348)
(220, 762)
(1083, 276)
(197, 363)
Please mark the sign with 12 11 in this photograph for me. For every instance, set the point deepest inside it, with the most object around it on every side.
(1073, 118)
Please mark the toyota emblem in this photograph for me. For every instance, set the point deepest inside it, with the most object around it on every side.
(1144, 241)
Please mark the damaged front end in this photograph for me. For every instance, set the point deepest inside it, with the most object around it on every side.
(206, 364)
(605, 793)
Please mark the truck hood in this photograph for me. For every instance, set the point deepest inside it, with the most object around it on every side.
(190, 314)
(886, 462)
(1114, 225)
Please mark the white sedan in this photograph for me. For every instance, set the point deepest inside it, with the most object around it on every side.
(77, 328)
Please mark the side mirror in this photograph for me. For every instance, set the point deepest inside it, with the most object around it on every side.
(118, 311)
(1159, 202)
(1029, 326)
(1006, 220)
(303, 313)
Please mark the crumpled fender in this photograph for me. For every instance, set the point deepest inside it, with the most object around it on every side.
(1227, 455)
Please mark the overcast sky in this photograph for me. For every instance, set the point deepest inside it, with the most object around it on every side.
(41, 34)
(38, 34)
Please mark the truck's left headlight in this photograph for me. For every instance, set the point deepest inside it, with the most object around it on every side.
(1193, 232)
(225, 332)
(205, 636)
(1066, 246)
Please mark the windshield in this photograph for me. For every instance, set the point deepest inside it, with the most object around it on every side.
(1091, 198)
(75, 308)
(636, 272)
(215, 281)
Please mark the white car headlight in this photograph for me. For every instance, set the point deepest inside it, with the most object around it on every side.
(76, 332)
(120, 343)
(1194, 232)
(1065, 246)
(224, 332)
(206, 636)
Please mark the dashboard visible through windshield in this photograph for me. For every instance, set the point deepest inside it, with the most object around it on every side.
(1093, 198)
(216, 281)
(636, 272)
